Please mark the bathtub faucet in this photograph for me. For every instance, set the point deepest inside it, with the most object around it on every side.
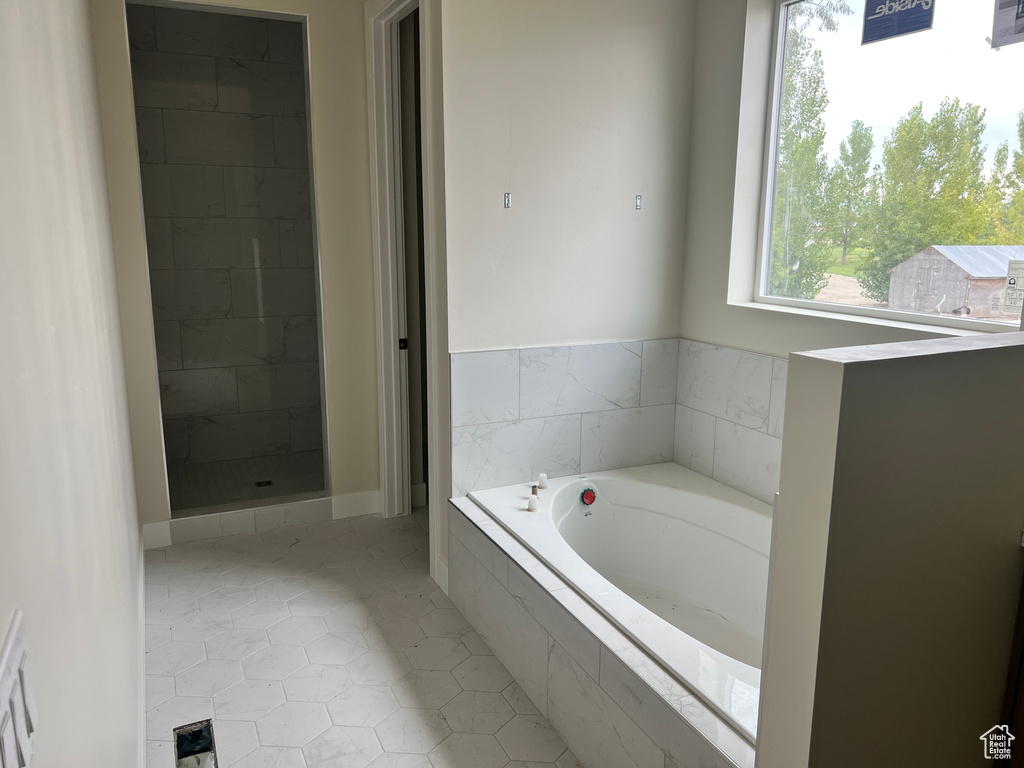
(588, 497)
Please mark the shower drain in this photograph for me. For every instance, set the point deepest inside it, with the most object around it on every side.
(264, 483)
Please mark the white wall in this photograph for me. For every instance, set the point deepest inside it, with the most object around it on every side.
(341, 169)
(732, 64)
(574, 108)
(69, 538)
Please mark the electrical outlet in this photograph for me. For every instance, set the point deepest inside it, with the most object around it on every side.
(18, 718)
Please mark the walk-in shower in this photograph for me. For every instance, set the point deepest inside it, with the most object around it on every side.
(221, 110)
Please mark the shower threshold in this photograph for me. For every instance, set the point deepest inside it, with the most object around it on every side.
(225, 486)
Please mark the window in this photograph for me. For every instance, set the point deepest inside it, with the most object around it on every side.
(895, 177)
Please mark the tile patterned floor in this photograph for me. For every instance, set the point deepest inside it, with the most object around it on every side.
(224, 482)
(328, 646)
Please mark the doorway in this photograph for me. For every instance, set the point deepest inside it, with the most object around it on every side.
(413, 290)
(222, 123)
(403, 58)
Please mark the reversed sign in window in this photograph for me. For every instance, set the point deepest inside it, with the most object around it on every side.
(1008, 27)
(893, 18)
(1014, 300)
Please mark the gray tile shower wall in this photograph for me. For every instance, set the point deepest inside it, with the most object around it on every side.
(566, 410)
(560, 410)
(729, 416)
(221, 118)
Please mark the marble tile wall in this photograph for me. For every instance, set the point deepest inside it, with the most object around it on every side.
(221, 117)
(567, 410)
(560, 410)
(729, 413)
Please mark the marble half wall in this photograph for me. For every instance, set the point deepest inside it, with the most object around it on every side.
(573, 409)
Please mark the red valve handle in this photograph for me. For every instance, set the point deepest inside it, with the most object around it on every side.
(588, 497)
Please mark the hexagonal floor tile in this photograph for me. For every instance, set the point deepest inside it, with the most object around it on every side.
(174, 657)
(157, 635)
(281, 588)
(413, 583)
(293, 724)
(162, 719)
(235, 738)
(530, 737)
(286, 535)
(343, 746)
(194, 585)
(237, 643)
(477, 712)
(296, 630)
(335, 649)
(568, 760)
(226, 599)
(405, 608)
(248, 575)
(392, 548)
(171, 610)
(248, 700)
(297, 565)
(379, 668)
(272, 757)
(362, 705)
(260, 614)
(330, 529)
(158, 690)
(412, 730)
(482, 673)
(381, 569)
(333, 578)
(354, 617)
(437, 653)
(201, 626)
(417, 561)
(275, 662)
(316, 602)
(398, 760)
(462, 749)
(208, 678)
(444, 622)
(316, 682)
(393, 635)
(426, 688)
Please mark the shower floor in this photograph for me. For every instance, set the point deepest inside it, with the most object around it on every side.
(228, 482)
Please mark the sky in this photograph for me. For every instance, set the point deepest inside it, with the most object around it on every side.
(878, 83)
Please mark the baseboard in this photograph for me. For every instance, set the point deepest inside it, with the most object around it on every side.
(356, 504)
(156, 534)
(419, 495)
(439, 572)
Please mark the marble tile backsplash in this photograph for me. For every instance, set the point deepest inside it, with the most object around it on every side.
(729, 414)
(572, 409)
(221, 121)
(560, 410)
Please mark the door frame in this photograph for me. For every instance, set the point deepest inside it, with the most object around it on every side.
(382, 17)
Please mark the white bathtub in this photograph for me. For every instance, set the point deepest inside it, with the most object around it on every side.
(676, 560)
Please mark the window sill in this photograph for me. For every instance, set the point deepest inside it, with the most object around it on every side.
(869, 317)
